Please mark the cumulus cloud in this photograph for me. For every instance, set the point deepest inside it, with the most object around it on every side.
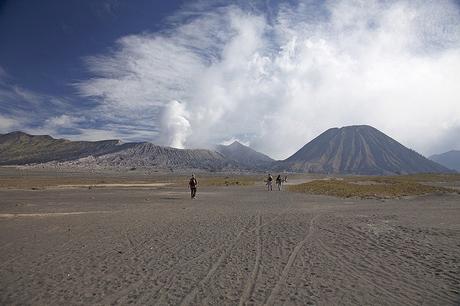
(62, 121)
(280, 78)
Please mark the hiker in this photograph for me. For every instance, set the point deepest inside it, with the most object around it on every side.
(278, 182)
(193, 184)
(269, 182)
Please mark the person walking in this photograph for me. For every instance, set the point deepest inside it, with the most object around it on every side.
(193, 183)
(270, 182)
(278, 182)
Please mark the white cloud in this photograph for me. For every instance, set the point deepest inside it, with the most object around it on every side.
(35, 112)
(8, 124)
(233, 139)
(92, 135)
(27, 95)
(56, 126)
(280, 82)
(62, 121)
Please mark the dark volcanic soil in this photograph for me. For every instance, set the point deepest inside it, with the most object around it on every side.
(232, 245)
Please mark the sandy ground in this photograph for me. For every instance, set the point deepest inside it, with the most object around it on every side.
(230, 246)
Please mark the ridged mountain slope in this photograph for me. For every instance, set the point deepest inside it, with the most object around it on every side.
(358, 149)
(147, 155)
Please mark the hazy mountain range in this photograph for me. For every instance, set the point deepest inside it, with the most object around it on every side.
(449, 159)
(348, 150)
(244, 155)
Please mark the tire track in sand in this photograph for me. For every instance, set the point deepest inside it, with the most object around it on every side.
(385, 273)
(247, 293)
(164, 289)
(113, 298)
(191, 295)
(358, 274)
(284, 274)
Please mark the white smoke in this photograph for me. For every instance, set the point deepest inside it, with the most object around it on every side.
(175, 127)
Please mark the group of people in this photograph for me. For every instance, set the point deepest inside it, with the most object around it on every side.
(193, 183)
(279, 181)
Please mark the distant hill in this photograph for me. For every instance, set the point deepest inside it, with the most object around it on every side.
(358, 149)
(244, 155)
(19, 148)
(148, 155)
(449, 159)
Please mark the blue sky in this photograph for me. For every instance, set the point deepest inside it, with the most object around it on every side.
(43, 49)
(195, 73)
(43, 42)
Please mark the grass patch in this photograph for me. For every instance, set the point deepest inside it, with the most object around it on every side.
(380, 188)
(422, 177)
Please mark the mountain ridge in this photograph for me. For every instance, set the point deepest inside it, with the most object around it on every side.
(358, 149)
(22, 148)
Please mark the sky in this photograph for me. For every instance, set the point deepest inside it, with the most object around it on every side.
(270, 74)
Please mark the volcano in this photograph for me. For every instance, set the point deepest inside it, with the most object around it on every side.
(359, 149)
